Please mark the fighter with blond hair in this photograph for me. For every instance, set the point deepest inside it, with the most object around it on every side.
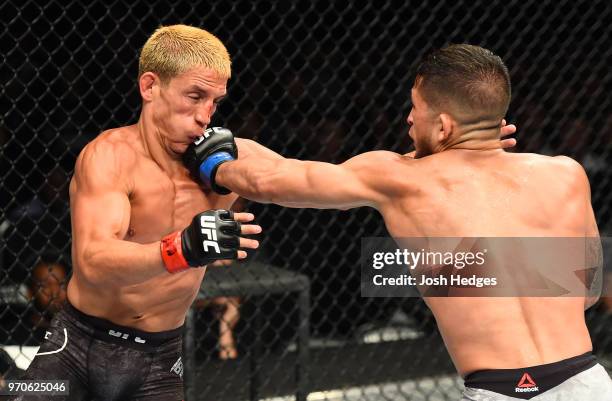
(143, 231)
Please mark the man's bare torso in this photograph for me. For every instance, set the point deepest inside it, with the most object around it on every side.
(159, 205)
(496, 194)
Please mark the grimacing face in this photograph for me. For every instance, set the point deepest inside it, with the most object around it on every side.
(184, 106)
(421, 122)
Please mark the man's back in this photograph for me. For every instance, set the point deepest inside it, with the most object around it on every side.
(498, 194)
(462, 185)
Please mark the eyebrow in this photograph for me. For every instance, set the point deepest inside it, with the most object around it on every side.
(195, 88)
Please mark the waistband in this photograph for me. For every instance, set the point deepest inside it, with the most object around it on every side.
(526, 383)
(108, 331)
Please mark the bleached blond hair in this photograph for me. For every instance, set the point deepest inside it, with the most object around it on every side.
(175, 49)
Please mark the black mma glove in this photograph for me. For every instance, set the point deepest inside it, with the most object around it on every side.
(207, 153)
(212, 235)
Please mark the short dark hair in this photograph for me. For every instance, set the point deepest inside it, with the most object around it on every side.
(462, 77)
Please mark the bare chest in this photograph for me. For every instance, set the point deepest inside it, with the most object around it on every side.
(161, 204)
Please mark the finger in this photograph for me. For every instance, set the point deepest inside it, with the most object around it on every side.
(242, 254)
(222, 262)
(503, 124)
(249, 243)
(244, 217)
(508, 143)
(508, 130)
(248, 229)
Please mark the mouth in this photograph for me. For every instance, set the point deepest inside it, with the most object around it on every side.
(194, 136)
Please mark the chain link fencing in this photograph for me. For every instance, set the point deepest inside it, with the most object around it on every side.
(313, 80)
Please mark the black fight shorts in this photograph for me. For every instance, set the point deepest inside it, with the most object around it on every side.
(106, 362)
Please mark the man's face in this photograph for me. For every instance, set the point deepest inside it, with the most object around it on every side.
(422, 127)
(184, 106)
(50, 287)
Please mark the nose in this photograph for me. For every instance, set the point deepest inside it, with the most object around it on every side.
(204, 113)
(409, 119)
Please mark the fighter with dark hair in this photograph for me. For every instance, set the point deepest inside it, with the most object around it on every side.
(462, 184)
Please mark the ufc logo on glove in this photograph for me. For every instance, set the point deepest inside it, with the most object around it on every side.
(193, 247)
(209, 229)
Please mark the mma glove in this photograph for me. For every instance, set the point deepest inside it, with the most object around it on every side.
(212, 235)
(207, 153)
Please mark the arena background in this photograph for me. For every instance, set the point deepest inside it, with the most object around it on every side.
(314, 80)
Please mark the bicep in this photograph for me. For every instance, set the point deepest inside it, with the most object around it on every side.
(100, 214)
(354, 183)
(249, 148)
(99, 202)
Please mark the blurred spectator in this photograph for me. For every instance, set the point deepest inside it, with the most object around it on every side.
(48, 291)
(23, 322)
(226, 311)
(228, 317)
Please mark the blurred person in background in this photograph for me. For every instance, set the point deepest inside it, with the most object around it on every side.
(48, 291)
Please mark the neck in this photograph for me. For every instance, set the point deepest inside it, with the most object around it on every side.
(154, 146)
(483, 135)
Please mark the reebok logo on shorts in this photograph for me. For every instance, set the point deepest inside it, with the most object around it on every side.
(526, 385)
(178, 367)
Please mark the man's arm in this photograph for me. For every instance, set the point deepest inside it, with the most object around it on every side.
(586, 223)
(263, 175)
(364, 180)
(594, 250)
(100, 212)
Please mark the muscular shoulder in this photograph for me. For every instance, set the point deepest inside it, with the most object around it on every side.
(108, 158)
(565, 172)
(568, 164)
(379, 164)
(563, 166)
(378, 156)
(386, 172)
(112, 150)
(573, 171)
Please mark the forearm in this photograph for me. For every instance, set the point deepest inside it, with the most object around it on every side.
(120, 262)
(295, 183)
(248, 177)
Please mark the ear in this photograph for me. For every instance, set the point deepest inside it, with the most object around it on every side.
(146, 82)
(445, 127)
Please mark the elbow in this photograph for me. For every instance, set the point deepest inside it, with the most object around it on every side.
(86, 268)
(88, 262)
